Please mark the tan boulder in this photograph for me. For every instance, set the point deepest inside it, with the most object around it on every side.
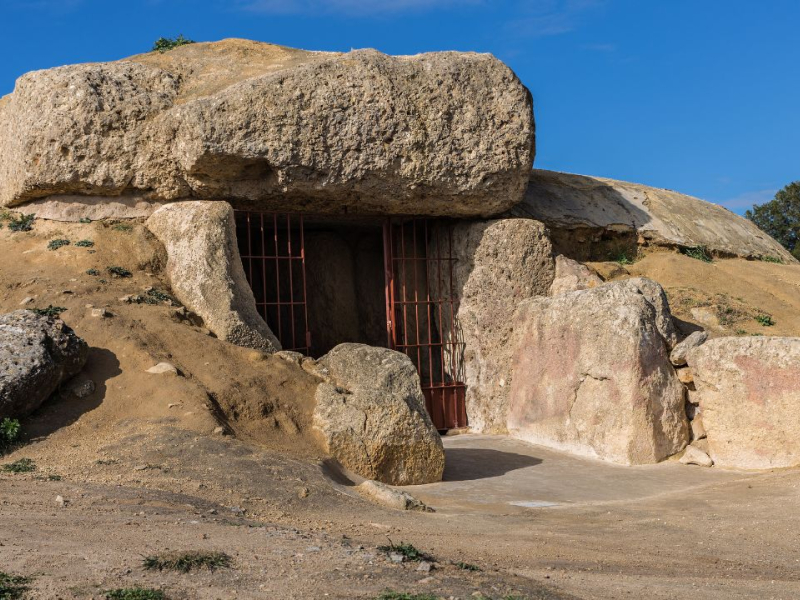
(591, 376)
(582, 205)
(749, 390)
(498, 264)
(274, 127)
(370, 415)
(678, 355)
(206, 273)
(571, 276)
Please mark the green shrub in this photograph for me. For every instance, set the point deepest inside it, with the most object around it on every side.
(187, 561)
(772, 259)
(85, 220)
(165, 44)
(119, 272)
(56, 244)
(84, 244)
(467, 566)
(698, 253)
(13, 587)
(9, 433)
(765, 320)
(50, 311)
(392, 595)
(408, 552)
(93, 272)
(123, 227)
(23, 465)
(22, 223)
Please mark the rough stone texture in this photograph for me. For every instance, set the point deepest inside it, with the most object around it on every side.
(678, 355)
(441, 133)
(36, 354)
(571, 276)
(371, 417)
(695, 456)
(96, 208)
(498, 264)
(591, 376)
(749, 389)
(390, 497)
(205, 271)
(654, 294)
(659, 217)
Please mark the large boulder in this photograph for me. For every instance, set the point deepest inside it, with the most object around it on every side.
(371, 416)
(206, 273)
(497, 265)
(583, 205)
(571, 276)
(749, 392)
(272, 127)
(591, 376)
(37, 353)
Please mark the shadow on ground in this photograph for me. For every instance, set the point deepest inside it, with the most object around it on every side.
(467, 464)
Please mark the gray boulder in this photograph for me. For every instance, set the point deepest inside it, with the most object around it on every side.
(371, 417)
(37, 353)
(278, 128)
(679, 354)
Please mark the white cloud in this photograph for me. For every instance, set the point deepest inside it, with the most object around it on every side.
(543, 18)
(350, 7)
(746, 201)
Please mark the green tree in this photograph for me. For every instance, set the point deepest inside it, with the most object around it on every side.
(780, 218)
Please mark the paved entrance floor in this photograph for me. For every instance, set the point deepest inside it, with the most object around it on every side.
(496, 474)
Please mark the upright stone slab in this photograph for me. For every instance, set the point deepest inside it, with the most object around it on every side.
(749, 390)
(591, 376)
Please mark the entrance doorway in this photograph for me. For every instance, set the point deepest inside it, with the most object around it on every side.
(322, 281)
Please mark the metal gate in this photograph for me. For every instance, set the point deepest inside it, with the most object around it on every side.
(272, 247)
(421, 316)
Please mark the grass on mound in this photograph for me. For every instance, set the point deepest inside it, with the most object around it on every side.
(13, 587)
(50, 311)
(23, 465)
(392, 595)
(187, 561)
(408, 551)
(134, 593)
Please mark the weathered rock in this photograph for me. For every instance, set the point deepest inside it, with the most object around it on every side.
(659, 217)
(698, 430)
(571, 276)
(685, 375)
(206, 272)
(678, 355)
(591, 376)
(695, 456)
(655, 295)
(390, 497)
(441, 133)
(163, 368)
(749, 390)
(95, 208)
(498, 264)
(37, 353)
(371, 417)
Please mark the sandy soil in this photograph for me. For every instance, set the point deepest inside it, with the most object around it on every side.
(141, 472)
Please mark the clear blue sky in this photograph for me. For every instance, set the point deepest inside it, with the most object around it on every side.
(700, 96)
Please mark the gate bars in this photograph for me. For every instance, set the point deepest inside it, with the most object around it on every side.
(272, 247)
(421, 307)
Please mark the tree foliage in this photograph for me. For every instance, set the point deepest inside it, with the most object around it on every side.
(780, 218)
(164, 44)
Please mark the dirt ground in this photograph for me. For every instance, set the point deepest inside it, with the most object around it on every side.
(140, 471)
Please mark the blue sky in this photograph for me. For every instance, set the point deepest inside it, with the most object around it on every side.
(699, 96)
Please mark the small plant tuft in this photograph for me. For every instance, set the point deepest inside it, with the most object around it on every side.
(408, 551)
(84, 244)
(13, 587)
(56, 244)
(85, 220)
(772, 259)
(134, 593)
(123, 227)
(119, 272)
(50, 311)
(93, 272)
(22, 223)
(23, 465)
(187, 561)
(163, 44)
(392, 595)
(9, 433)
(467, 566)
(765, 320)
(698, 253)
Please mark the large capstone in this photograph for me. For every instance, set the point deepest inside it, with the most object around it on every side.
(37, 353)
(275, 128)
(749, 391)
(371, 416)
(591, 376)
